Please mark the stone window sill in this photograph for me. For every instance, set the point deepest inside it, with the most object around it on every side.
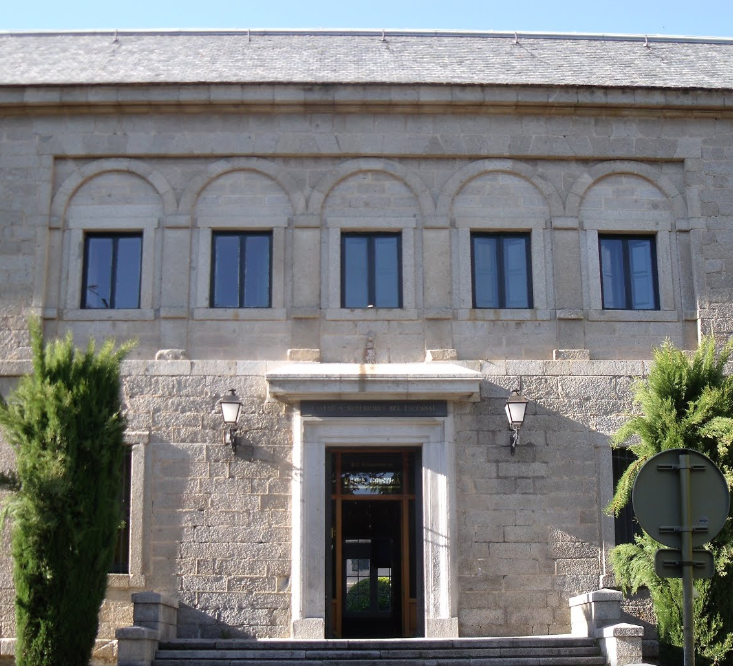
(125, 581)
(372, 314)
(509, 314)
(234, 314)
(98, 314)
(633, 315)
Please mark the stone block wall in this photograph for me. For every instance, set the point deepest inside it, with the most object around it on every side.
(216, 533)
(218, 537)
(212, 529)
(435, 204)
(532, 531)
(439, 177)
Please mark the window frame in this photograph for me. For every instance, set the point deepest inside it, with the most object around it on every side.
(242, 235)
(71, 265)
(138, 524)
(627, 278)
(115, 237)
(371, 236)
(501, 236)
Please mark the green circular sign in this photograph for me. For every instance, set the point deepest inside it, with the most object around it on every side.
(657, 498)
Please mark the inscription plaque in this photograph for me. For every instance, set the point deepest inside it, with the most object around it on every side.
(375, 408)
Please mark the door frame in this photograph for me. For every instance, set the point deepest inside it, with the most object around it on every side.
(409, 548)
(434, 436)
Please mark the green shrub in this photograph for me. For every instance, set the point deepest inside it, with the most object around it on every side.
(64, 422)
(684, 403)
(357, 598)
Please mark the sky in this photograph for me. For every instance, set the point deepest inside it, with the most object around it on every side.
(670, 17)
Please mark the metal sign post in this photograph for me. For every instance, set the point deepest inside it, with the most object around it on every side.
(687, 564)
(681, 499)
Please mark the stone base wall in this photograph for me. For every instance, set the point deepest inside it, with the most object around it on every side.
(531, 528)
(218, 537)
(215, 527)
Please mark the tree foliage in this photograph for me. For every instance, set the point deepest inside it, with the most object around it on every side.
(64, 422)
(684, 403)
(358, 598)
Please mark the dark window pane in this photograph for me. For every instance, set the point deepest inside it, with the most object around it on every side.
(628, 273)
(127, 279)
(501, 270)
(625, 525)
(98, 285)
(355, 271)
(612, 273)
(241, 270)
(370, 270)
(485, 272)
(386, 272)
(642, 275)
(515, 272)
(257, 272)
(121, 560)
(226, 271)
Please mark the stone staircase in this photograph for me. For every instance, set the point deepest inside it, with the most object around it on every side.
(524, 651)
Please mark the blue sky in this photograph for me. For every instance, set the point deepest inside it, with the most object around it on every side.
(671, 17)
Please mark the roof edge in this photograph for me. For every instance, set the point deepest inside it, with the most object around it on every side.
(382, 33)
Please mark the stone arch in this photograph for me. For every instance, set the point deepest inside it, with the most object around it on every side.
(88, 172)
(628, 197)
(111, 195)
(662, 183)
(274, 172)
(399, 172)
(511, 167)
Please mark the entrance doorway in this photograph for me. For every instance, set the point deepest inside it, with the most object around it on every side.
(373, 557)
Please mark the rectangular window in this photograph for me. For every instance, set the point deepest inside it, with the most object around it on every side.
(111, 275)
(625, 525)
(121, 561)
(241, 269)
(629, 272)
(371, 270)
(501, 267)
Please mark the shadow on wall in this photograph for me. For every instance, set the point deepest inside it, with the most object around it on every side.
(194, 623)
(219, 523)
(531, 527)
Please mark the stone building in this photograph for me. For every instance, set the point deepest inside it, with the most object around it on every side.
(373, 238)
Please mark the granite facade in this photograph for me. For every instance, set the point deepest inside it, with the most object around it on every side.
(215, 530)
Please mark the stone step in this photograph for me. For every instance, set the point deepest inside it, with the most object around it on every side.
(438, 654)
(523, 651)
(446, 661)
(395, 653)
(562, 641)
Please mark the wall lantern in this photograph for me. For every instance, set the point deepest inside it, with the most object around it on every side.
(515, 408)
(231, 407)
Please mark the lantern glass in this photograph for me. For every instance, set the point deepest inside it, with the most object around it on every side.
(230, 408)
(515, 408)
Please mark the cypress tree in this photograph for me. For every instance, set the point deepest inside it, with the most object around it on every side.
(684, 403)
(65, 424)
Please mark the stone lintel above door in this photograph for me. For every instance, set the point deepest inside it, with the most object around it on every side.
(381, 381)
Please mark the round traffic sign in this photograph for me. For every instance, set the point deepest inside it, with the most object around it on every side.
(657, 498)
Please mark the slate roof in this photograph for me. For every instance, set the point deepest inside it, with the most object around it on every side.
(363, 57)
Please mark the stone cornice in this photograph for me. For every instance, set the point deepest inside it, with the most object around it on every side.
(48, 99)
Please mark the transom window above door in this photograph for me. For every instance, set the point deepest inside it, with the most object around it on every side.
(371, 270)
(501, 270)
